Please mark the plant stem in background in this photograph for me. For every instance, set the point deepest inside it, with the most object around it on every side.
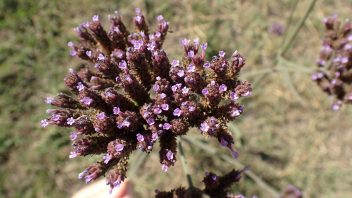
(184, 164)
(298, 28)
(286, 47)
(289, 21)
(213, 151)
(140, 159)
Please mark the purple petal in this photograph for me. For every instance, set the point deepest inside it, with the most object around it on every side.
(119, 147)
(49, 100)
(44, 123)
(222, 54)
(140, 137)
(101, 116)
(204, 46)
(89, 53)
(107, 158)
(181, 73)
(154, 136)
(116, 110)
(170, 155)
(87, 101)
(191, 68)
(177, 112)
(101, 57)
(95, 18)
(123, 64)
(80, 86)
(70, 121)
(175, 63)
(222, 88)
(204, 127)
(156, 87)
(190, 54)
(73, 135)
(157, 111)
(205, 91)
(206, 65)
(234, 96)
(185, 90)
(165, 107)
(150, 121)
(166, 126)
(164, 167)
(73, 154)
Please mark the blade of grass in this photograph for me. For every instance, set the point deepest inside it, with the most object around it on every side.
(184, 163)
(287, 46)
(289, 21)
(288, 80)
(256, 72)
(141, 158)
(294, 67)
(237, 133)
(298, 28)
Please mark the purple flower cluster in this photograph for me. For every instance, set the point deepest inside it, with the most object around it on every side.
(129, 95)
(335, 62)
(215, 187)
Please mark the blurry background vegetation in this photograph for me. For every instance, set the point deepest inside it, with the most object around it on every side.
(288, 134)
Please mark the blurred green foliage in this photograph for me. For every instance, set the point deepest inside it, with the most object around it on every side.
(282, 139)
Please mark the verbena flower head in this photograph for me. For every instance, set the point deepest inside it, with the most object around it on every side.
(215, 187)
(128, 95)
(335, 62)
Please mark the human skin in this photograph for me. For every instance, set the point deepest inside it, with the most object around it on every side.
(100, 190)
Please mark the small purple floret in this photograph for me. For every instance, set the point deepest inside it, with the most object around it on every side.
(44, 123)
(222, 88)
(49, 100)
(175, 63)
(70, 121)
(107, 157)
(123, 64)
(101, 116)
(95, 18)
(165, 107)
(206, 65)
(156, 87)
(181, 73)
(73, 135)
(140, 137)
(233, 96)
(177, 112)
(191, 68)
(204, 127)
(116, 110)
(157, 111)
(170, 155)
(87, 101)
(119, 147)
(166, 126)
(222, 54)
(80, 86)
(205, 91)
(164, 168)
(150, 121)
